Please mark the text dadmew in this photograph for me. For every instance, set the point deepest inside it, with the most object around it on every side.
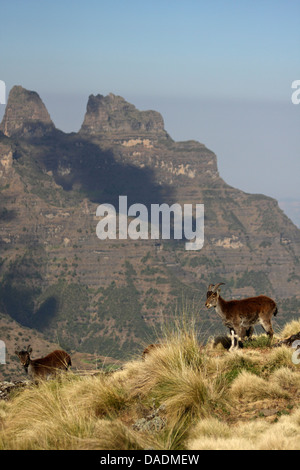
(181, 225)
(151, 459)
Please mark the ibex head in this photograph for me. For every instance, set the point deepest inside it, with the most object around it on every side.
(213, 293)
(24, 357)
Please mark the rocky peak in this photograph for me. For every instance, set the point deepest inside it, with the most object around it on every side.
(112, 116)
(25, 115)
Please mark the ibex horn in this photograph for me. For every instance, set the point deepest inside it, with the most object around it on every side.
(215, 288)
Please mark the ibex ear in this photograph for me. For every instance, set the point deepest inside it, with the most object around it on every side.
(29, 349)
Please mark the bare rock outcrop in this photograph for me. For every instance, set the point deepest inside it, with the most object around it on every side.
(25, 115)
(113, 115)
(7, 387)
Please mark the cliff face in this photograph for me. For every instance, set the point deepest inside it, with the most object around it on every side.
(25, 115)
(113, 116)
(106, 296)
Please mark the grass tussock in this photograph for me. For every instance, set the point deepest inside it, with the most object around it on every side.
(283, 434)
(183, 395)
(248, 386)
(290, 329)
(178, 376)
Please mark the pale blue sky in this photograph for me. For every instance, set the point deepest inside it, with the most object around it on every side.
(211, 48)
(220, 71)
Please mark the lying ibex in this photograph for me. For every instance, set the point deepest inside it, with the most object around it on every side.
(44, 367)
(241, 315)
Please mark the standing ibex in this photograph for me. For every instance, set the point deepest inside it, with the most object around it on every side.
(241, 315)
(245, 332)
(44, 367)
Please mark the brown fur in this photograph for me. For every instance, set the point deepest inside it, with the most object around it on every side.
(241, 315)
(150, 348)
(47, 366)
(288, 341)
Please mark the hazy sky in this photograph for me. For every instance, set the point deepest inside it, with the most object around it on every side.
(219, 71)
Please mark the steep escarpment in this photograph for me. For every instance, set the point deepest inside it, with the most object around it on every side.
(106, 296)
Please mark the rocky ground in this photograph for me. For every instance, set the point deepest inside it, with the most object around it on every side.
(6, 388)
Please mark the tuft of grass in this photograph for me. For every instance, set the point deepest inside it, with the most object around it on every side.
(280, 357)
(248, 386)
(290, 329)
(255, 435)
(236, 362)
(177, 376)
(99, 396)
(111, 435)
(41, 418)
(286, 378)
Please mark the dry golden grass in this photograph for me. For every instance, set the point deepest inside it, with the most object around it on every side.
(257, 435)
(248, 386)
(290, 329)
(286, 378)
(198, 397)
(179, 377)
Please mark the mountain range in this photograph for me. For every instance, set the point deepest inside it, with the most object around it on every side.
(107, 298)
